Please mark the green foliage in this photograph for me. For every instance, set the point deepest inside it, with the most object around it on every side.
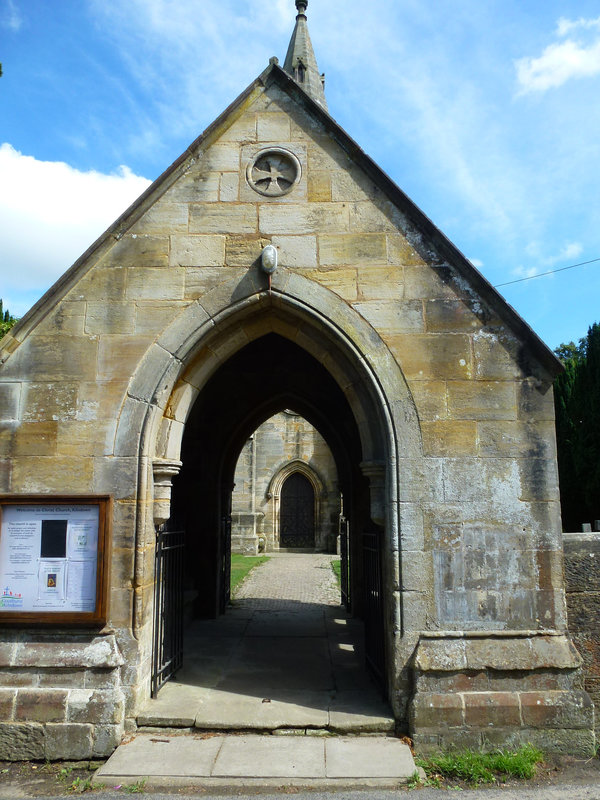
(577, 405)
(474, 767)
(241, 566)
(6, 320)
(81, 785)
(336, 566)
(135, 788)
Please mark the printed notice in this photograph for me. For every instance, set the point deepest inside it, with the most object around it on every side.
(48, 557)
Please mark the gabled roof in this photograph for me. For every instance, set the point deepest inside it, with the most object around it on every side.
(275, 75)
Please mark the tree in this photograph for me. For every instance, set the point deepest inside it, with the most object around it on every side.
(6, 320)
(577, 404)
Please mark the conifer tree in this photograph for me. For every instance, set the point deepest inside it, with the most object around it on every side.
(577, 404)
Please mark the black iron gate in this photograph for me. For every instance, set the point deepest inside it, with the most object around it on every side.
(345, 562)
(374, 627)
(167, 646)
(226, 561)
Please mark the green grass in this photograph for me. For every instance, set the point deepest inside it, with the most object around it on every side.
(241, 566)
(336, 566)
(475, 768)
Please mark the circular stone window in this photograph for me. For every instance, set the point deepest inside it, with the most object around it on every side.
(273, 172)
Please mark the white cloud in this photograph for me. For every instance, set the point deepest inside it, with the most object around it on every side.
(10, 17)
(575, 57)
(50, 213)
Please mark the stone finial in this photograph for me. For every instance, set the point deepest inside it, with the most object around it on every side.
(301, 5)
(300, 61)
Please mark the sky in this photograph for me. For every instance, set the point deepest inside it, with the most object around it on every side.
(484, 112)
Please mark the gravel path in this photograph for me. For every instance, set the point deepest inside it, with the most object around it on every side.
(288, 579)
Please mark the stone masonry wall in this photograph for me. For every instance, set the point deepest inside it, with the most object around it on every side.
(281, 440)
(582, 584)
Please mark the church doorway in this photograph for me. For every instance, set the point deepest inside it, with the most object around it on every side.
(297, 513)
(268, 375)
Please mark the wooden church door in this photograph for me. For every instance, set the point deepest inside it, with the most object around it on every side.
(297, 512)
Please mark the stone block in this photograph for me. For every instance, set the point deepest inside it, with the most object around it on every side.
(554, 652)
(101, 679)
(223, 218)
(400, 251)
(67, 318)
(312, 218)
(68, 741)
(118, 356)
(141, 251)
(392, 317)
(242, 130)
(434, 711)
(106, 739)
(198, 282)
(35, 439)
(163, 217)
(243, 251)
(498, 357)
(41, 705)
(443, 314)
(580, 743)
(383, 283)
(7, 704)
(117, 475)
(197, 251)
(21, 742)
(296, 251)
(441, 655)
(56, 650)
(155, 284)
(352, 248)
(504, 438)
(222, 157)
(49, 401)
(61, 678)
(379, 216)
(432, 356)
(152, 317)
(340, 281)
(449, 438)
(99, 706)
(10, 395)
(199, 184)
(485, 400)
(273, 126)
(229, 187)
(351, 184)
(492, 709)
(535, 400)
(572, 710)
(103, 283)
(55, 359)
(319, 187)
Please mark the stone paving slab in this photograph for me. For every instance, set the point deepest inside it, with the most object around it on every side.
(258, 760)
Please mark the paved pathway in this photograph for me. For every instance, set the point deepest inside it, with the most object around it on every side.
(286, 661)
(285, 656)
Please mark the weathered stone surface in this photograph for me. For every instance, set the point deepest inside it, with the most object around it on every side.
(155, 284)
(100, 706)
(569, 710)
(53, 651)
(49, 401)
(68, 741)
(482, 400)
(314, 218)
(296, 251)
(10, 394)
(41, 705)
(273, 127)
(21, 742)
(141, 251)
(106, 738)
(197, 251)
(352, 248)
(491, 709)
(223, 218)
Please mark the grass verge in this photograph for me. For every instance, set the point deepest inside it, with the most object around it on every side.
(475, 768)
(241, 566)
(336, 566)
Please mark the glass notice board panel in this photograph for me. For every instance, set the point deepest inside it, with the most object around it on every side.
(53, 558)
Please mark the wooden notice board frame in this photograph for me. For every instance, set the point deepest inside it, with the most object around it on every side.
(31, 509)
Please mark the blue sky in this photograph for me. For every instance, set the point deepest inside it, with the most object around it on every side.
(485, 112)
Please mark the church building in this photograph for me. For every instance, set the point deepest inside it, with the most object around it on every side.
(275, 268)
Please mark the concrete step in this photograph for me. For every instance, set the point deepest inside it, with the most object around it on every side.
(204, 760)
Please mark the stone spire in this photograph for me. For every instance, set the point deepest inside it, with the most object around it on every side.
(300, 61)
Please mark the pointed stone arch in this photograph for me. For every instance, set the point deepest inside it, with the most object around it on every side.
(170, 377)
(280, 476)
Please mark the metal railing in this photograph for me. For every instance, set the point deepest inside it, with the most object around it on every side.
(167, 649)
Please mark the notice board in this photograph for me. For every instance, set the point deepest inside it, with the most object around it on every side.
(53, 558)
